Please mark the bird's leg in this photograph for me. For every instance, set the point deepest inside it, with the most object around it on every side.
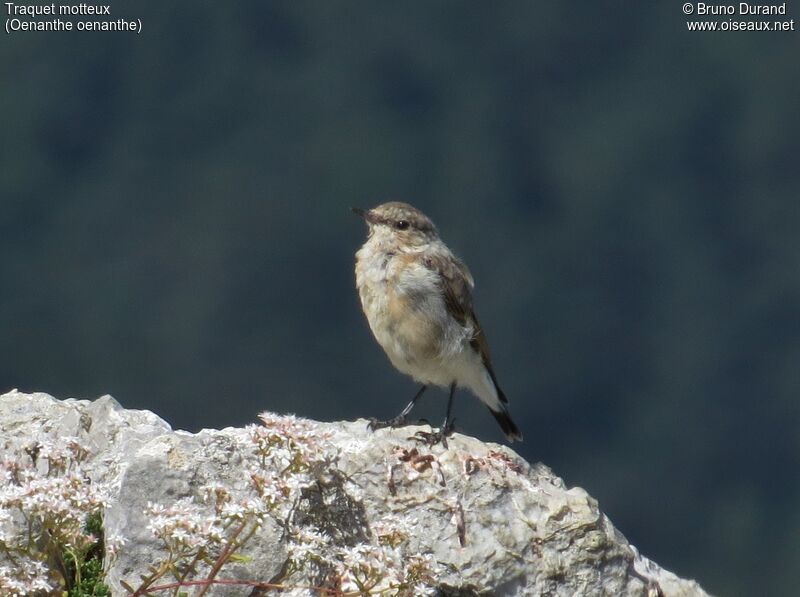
(401, 419)
(448, 426)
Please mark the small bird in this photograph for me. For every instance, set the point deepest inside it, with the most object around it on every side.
(417, 297)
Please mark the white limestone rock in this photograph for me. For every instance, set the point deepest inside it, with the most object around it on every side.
(484, 520)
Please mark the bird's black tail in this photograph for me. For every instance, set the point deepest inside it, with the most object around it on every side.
(508, 426)
(499, 410)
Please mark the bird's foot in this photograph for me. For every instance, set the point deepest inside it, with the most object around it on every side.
(398, 421)
(431, 438)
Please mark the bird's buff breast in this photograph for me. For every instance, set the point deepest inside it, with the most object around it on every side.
(406, 313)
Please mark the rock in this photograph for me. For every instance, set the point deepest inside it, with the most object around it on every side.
(335, 506)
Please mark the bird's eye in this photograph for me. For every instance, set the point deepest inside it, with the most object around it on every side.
(402, 225)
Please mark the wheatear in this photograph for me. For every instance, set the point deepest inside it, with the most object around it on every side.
(417, 297)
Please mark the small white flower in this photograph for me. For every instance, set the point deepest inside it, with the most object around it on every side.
(114, 543)
(235, 511)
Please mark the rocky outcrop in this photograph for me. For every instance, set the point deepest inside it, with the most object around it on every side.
(291, 506)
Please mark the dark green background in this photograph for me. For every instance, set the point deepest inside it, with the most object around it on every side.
(174, 230)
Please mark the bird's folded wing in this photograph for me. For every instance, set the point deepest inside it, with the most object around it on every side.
(457, 285)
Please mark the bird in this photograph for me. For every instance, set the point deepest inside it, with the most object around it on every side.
(417, 298)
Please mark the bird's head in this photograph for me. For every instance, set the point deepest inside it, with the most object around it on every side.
(399, 224)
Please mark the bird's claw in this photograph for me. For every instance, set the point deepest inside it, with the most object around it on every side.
(431, 438)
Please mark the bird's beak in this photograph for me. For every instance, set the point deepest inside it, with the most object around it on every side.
(364, 213)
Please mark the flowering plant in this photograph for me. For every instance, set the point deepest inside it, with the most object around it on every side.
(288, 456)
(50, 534)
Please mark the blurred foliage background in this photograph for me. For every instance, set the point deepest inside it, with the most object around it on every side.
(174, 230)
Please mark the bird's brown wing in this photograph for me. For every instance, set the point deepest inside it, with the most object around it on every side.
(457, 285)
